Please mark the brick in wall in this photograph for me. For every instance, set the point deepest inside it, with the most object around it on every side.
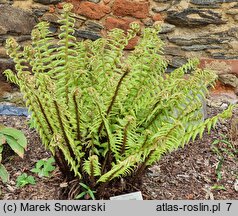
(122, 23)
(91, 10)
(131, 8)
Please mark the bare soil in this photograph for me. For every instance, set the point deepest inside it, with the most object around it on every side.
(201, 170)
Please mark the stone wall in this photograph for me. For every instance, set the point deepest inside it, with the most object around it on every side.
(207, 29)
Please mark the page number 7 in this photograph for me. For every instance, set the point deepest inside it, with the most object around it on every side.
(229, 206)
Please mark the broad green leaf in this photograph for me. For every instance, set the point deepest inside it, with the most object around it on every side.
(4, 174)
(17, 135)
(15, 146)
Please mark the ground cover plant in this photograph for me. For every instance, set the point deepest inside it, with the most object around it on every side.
(24, 179)
(103, 115)
(222, 148)
(44, 167)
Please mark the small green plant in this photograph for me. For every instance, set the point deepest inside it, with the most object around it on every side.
(86, 192)
(44, 167)
(218, 187)
(24, 179)
(18, 143)
(222, 148)
(219, 168)
(105, 115)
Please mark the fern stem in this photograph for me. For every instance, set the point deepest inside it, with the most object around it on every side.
(108, 158)
(63, 165)
(66, 58)
(59, 157)
(152, 120)
(77, 118)
(63, 130)
(146, 138)
(114, 98)
(124, 139)
(44, 114)
(92, 179)
(27, 88)
(104, 164)
(143, 166)
(116, 91)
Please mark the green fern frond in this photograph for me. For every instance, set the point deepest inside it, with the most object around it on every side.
(123, 168)
(209, 123)
(92, 166)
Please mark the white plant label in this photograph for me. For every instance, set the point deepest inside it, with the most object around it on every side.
(130, 196)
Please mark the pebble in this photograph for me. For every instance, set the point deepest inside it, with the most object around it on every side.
(224, 106)
(10, 188)
(236, 185)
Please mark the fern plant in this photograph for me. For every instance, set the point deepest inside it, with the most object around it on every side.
(103, 114)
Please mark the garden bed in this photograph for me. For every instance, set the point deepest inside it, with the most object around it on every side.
(201, 170)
